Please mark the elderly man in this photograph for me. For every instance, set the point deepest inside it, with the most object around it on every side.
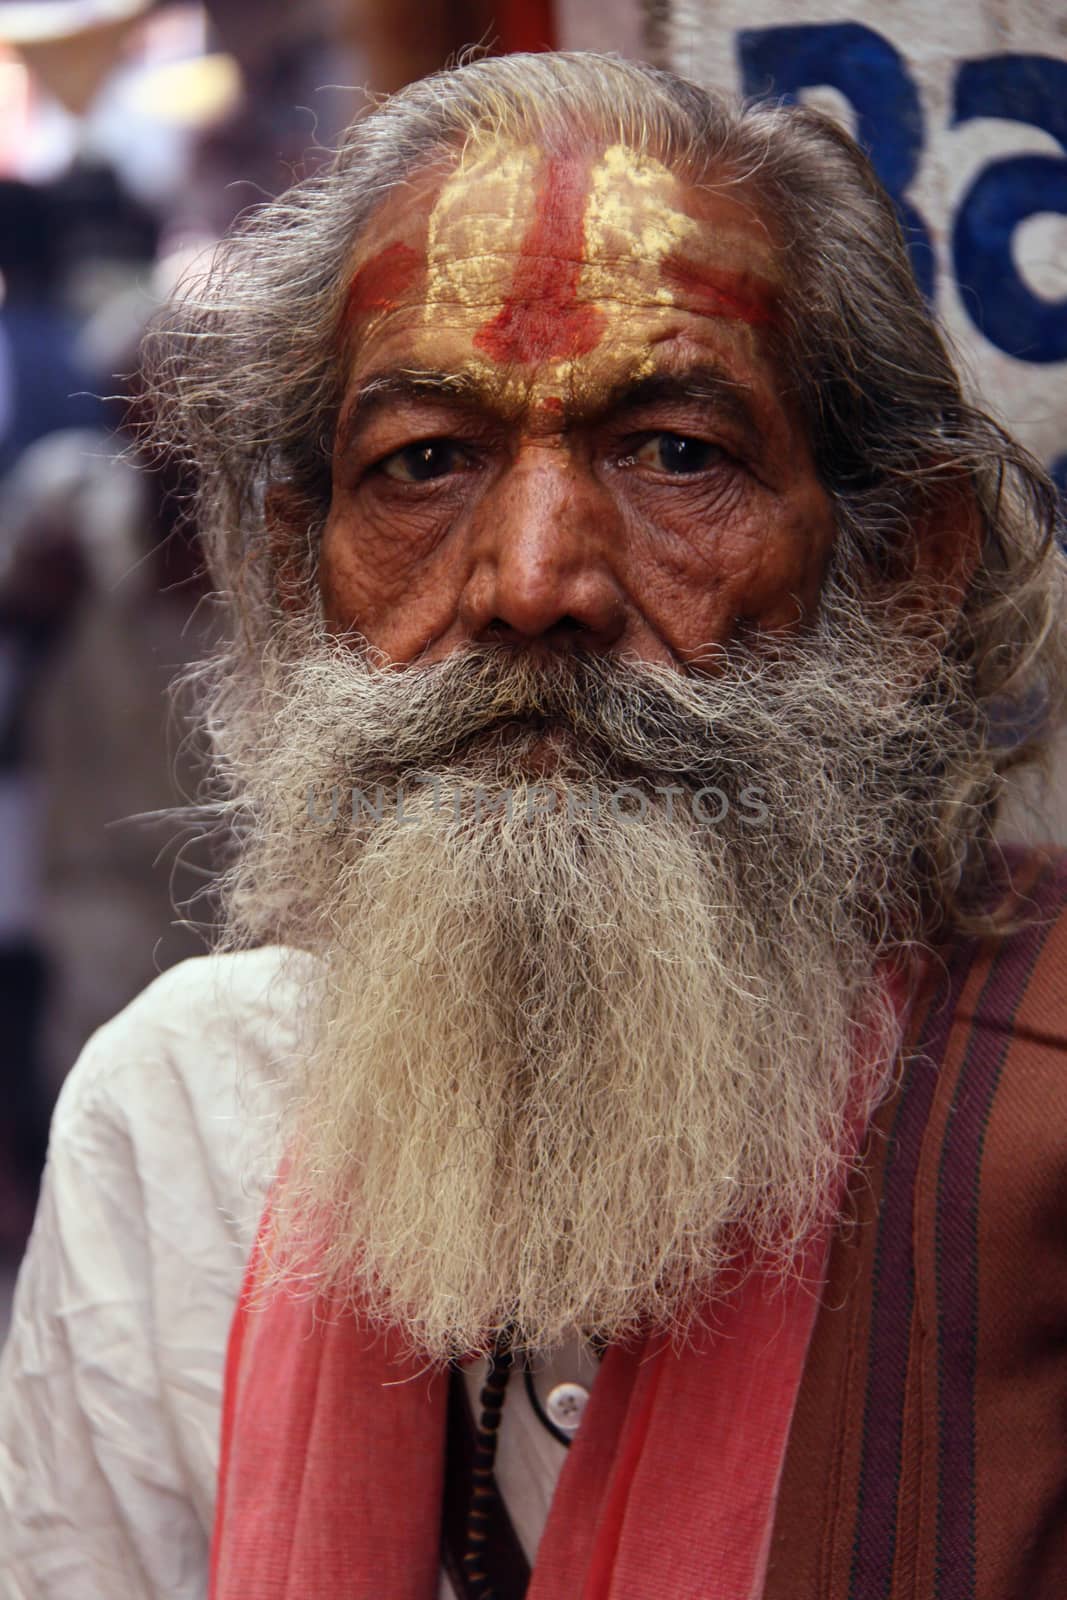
(644, 1071)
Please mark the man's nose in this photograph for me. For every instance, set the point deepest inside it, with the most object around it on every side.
(541, 568)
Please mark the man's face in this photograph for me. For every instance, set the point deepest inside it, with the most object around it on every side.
(626, 1040)
(564, 419)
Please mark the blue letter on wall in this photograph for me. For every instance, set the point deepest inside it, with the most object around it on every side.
(1029, 89)
(867, 70)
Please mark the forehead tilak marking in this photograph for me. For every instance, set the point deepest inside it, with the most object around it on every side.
(593, 219)
(542, 317)
(596, 224)
(481, 219)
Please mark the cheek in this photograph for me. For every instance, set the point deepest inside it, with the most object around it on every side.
(758, 561)
(361, 576)
(385, 574)
(786, 579)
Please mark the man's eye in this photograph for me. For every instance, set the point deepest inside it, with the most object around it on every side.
(422, 462)
(677, 454)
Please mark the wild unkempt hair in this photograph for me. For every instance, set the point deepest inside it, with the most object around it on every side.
(246, 379)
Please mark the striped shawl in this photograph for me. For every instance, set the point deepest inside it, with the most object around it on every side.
(928, 1454)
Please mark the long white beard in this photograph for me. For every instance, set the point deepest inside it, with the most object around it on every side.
(557, 1068)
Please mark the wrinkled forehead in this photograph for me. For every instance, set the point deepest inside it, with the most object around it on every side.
(536, 255)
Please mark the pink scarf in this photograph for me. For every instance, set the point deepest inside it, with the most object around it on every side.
(333, 1447)
(330, 1478)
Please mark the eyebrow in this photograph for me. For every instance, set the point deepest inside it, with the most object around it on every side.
(386, 389)
(705, 382)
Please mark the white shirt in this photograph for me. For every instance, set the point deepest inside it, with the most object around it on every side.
(163, 1143)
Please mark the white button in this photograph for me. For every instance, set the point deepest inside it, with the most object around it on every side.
(565, 1405)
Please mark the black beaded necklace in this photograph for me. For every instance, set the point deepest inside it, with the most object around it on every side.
(491, 1403)
(500, 1361)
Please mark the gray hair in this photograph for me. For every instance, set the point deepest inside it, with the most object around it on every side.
(246, 382)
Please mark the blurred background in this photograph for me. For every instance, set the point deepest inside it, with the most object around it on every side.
(131, 135)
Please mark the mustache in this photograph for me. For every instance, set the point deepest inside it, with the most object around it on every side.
(621, 714)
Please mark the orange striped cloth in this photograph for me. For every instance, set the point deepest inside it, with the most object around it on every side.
(928, 1452)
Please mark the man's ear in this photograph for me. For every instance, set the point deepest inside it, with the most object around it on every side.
(289, 517)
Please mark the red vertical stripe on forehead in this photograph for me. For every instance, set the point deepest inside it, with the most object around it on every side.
(382, 281)
(719, 294)
(541, 317)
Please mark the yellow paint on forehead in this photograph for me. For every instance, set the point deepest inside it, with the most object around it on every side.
(630, 217)
(477, 222)
(633, 224)
(484, 209)
(636, 215)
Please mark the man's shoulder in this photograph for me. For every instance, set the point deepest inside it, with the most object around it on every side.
(993, 1021)
(162, 1146)
(1017, 986)
(1012, 984)
(202, 1052)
